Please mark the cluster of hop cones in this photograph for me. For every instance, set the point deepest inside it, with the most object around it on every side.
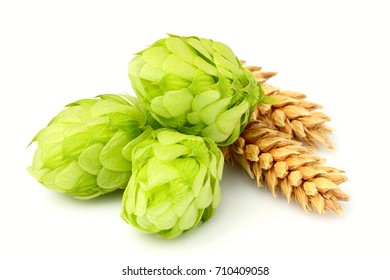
(277, 149)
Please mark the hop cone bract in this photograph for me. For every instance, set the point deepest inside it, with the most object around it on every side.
(196, 86)
(174, 184)
(80, 151)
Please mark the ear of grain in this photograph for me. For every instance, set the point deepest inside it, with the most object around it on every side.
(294, 114)
(274, 160)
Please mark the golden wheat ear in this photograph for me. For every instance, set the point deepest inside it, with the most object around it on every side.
(294, 114)
(275, 160)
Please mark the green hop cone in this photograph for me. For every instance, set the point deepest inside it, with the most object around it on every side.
(80, 152)
(174, 184)
(196, 86)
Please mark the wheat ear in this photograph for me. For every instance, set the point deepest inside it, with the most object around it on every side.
(294, 114)
(281, 163)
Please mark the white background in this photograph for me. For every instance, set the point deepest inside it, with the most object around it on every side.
(337, 52)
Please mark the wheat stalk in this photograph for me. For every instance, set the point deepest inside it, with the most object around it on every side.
(294, 115)
(274, 159)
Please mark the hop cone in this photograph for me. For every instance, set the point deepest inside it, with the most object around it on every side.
(80, 152)
(196, 86)
(175, 182)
